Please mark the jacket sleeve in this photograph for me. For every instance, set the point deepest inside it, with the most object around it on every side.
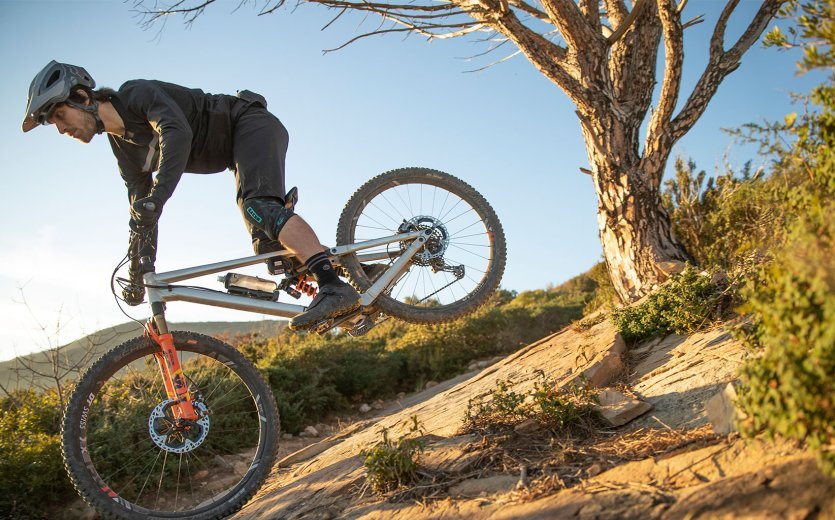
(138, 183)
(168, 121)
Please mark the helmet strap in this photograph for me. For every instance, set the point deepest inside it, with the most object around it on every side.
(93, 109)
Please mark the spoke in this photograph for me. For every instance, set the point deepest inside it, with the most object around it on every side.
(397, 192)
(452, 242)
(468, 227)
(370, 227)
(190, 479)
(408, 274)
(383, 195)
(450, 210)
(409, 196)
(142, 489)
(369, 217)
(161, 476)
(441, 211)
(177, 488)
(378, 208)
(468, 210)
(128, 464)
(470, 252)
(468, 236)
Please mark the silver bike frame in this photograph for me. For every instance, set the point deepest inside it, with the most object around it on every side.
(160, 289)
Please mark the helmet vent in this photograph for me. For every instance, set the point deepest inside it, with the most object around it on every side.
(55, 76)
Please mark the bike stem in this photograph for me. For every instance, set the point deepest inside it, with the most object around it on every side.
(169, 364)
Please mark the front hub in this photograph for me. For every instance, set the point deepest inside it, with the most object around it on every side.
(176, 435)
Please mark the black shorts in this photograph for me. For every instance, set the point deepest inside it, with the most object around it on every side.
(259, 148)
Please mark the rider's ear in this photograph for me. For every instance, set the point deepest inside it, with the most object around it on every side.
(81, 96)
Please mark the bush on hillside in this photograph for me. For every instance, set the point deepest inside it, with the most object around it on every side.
(31, 472)
(788, 385)
(689, 301)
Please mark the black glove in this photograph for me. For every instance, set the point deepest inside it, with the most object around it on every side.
(134, 293)
(145, 212)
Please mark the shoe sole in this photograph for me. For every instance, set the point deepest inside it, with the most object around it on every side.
(312, 324)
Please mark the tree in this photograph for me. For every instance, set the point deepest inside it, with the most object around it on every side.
(603, 55)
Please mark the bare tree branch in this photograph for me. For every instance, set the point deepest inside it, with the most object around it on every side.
(624, 24)
(721, 63)
(658, 141)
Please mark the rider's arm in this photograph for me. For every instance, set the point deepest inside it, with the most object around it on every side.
(168, 121)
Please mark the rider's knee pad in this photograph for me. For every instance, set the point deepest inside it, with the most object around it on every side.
(267, 214)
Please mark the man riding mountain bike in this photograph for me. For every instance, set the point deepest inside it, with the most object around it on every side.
(167, 129)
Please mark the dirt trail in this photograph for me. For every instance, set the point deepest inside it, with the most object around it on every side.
(704, 476)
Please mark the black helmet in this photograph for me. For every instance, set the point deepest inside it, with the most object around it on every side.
(51, 86)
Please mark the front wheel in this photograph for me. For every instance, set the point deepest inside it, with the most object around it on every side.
(128, 458)
(462, 262)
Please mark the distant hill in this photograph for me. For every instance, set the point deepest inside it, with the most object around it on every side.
(105, 339)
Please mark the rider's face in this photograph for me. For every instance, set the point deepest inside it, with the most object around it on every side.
(73, 122)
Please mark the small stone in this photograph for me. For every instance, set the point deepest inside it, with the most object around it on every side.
(311, 431)
(484, 486)
(401, 395)
(287, 436)
(594, 470)
(472, 366)
(618, 409)
(721, 410)
(527, 426)
(430, 384)
(377, 405)
(364, 408)
(482, 364)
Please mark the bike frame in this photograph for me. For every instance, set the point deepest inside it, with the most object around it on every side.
(160, 291)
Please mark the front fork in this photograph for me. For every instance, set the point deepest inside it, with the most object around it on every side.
(176, 386)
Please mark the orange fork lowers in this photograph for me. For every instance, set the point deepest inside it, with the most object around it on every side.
(172, 374)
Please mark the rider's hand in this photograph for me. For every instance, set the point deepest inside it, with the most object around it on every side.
(145, 212)
(134, 293)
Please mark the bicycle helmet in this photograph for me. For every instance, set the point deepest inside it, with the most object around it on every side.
(53, 85)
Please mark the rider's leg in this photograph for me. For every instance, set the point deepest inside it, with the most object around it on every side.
(260, 146)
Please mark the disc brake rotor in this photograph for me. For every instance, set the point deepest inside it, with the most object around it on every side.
(436, 245)
(172, 436)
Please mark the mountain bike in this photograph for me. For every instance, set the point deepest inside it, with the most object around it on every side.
(181, 425)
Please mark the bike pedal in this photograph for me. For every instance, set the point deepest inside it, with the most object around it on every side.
(322, 326)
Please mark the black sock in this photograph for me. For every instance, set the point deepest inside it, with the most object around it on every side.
(321, 267)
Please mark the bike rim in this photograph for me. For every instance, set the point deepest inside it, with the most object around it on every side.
(456, 260)
(148, 468)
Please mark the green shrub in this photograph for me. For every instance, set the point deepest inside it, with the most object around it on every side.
(690, 300)
(560, 410)
(392, 464)
(31, 472)
(789, 388)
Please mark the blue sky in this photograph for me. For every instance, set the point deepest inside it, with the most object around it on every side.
(379, 104)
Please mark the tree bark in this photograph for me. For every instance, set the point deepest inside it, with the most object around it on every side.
(635, 230)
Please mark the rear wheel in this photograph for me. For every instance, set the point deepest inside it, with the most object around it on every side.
(127, 456)
(462, 262)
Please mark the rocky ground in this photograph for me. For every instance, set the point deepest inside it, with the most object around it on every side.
(660, 456)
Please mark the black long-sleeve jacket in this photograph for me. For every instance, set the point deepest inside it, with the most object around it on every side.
(171, 130)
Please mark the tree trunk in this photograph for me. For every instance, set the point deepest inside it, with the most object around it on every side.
(639, 246)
